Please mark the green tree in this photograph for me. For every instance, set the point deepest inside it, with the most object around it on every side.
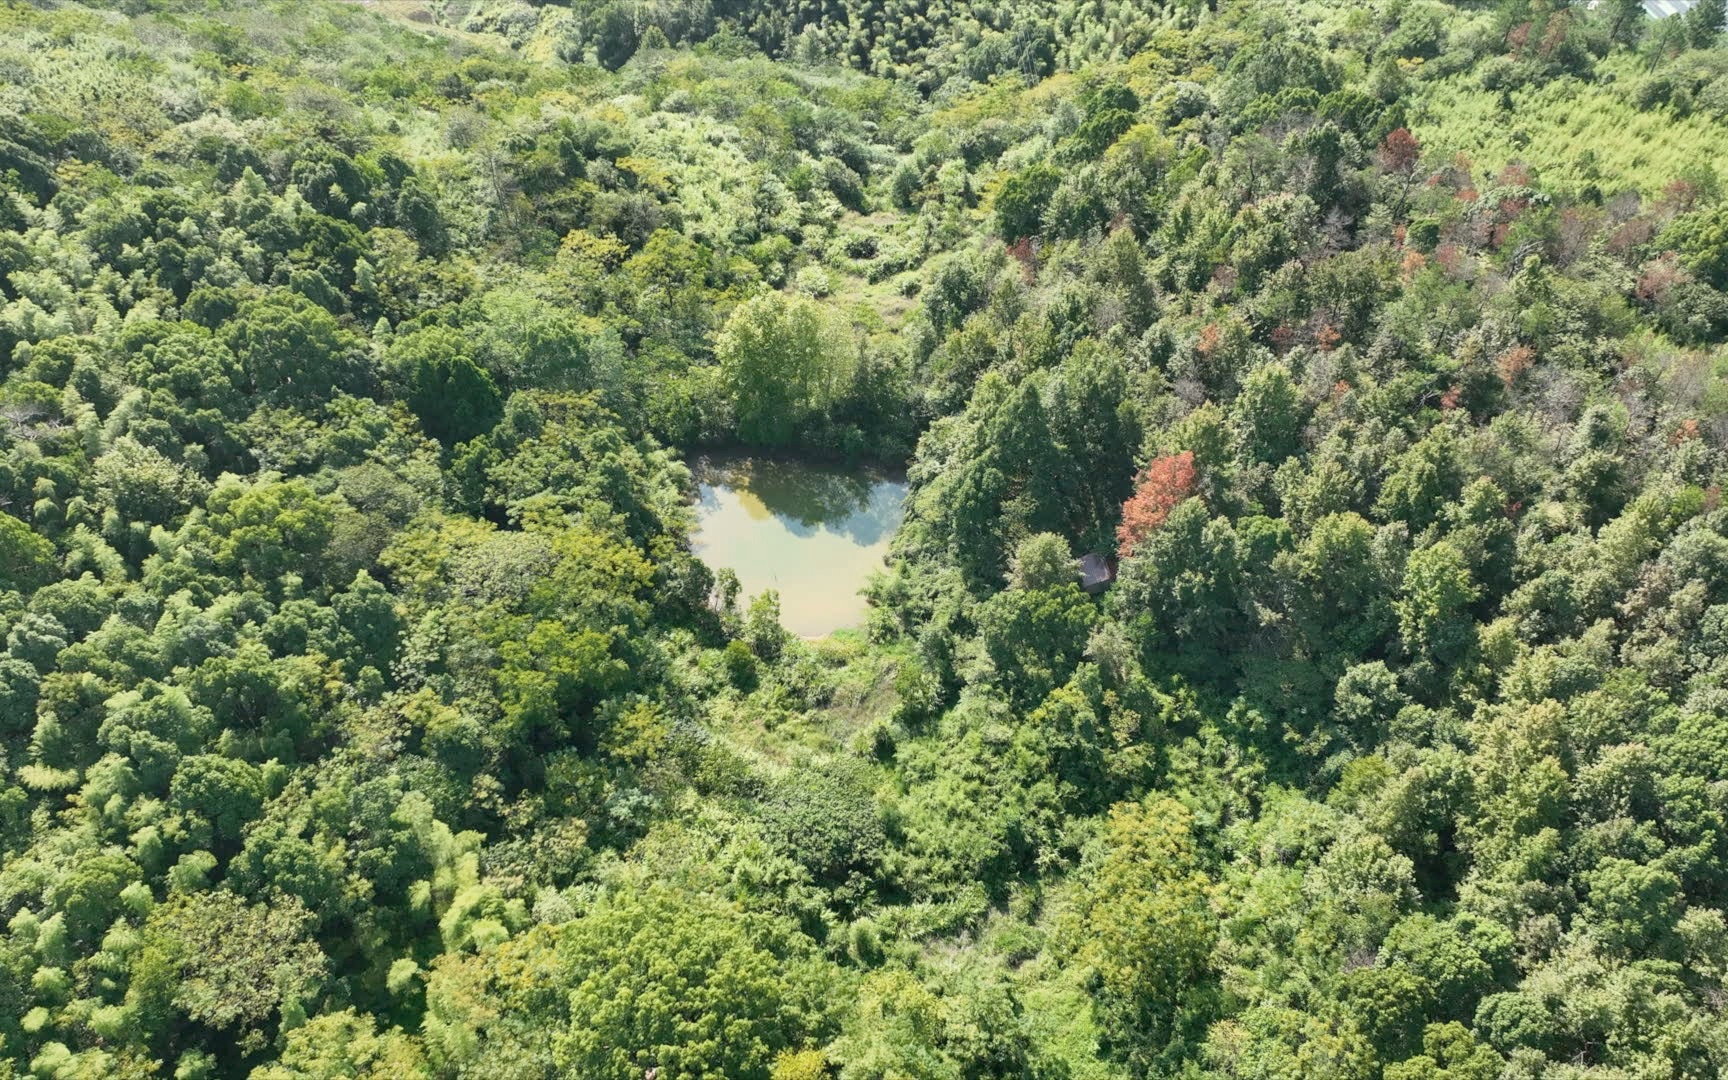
(1705, 21)
(453, 397)
(1183, 583)
(1449, 1052)
(26, 557)
(270, 528)
(650, 979)
(220, 795)
(1433, 606)
(291, 350)
(1144, 922)
(1042, 561)
(344, 1046)
(784, 362)
(237, 968)
(1035, 637)
(1022, 199)
(1267, 415)
(88, 896)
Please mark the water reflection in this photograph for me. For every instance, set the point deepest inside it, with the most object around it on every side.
(813, 532)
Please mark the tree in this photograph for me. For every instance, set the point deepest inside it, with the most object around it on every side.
(1449, 1052)
(900, 1029)
(1632, 908)
(344, 1046)
(1021, 201)
(270, 528)
(528, 342)
(1267, 415)
(220, 795)
(1144, 923)
(1183, 584)
(454, 399)
(1042, 561)
(1159, 489)
(1433, 606)
(650, 979)
(762, 629)
(613, 30)
(1705, 21)
(1701, 237)
(904, 1028)
(145, 485)
(292, 350)
(26, 557)
(1423, 480)
(1099, 433)
(89, 896)
(829, 823)
(1626, 20)
(1034, 637)
(1398, 155)
(784, 362)
(227, 964)
(1341, 601)
(1399, 151)
(1108, 109)
(1007, 481)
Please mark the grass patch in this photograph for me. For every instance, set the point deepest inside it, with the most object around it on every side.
(1572, 132)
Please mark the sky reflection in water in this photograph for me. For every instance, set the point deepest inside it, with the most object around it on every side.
(814, 532)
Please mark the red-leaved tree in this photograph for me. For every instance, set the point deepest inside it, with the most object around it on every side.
(1159, 488)
(1399, 152)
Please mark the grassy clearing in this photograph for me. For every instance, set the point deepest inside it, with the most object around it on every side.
(1572, 132)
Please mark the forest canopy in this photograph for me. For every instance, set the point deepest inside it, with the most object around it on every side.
(365, 711)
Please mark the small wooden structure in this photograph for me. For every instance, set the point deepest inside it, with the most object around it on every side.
(1096, 572)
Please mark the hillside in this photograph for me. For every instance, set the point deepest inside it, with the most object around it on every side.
(365, 711)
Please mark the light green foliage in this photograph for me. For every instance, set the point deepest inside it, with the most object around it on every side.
(224, 963)
(269, 529)
(1572, 132)
(1042, 561)
(366, 712)
(784, 362)
(1145, 924)
(648, 979)
(343, 1045)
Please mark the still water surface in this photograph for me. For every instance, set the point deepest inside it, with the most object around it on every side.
(814, 532)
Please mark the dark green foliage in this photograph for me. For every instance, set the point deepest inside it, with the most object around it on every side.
(453, 398)
(830, 824)
(367, 712)
(1705, 21)
(1022, 199)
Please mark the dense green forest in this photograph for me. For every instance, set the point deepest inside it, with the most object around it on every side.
(364, 712)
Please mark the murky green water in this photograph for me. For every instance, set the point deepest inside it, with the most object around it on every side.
(814, 532)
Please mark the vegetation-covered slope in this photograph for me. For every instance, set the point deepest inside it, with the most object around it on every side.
(364, 713)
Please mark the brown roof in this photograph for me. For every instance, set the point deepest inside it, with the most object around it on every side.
(1095, 572)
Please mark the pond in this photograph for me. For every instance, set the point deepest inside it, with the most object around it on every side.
(814, 532)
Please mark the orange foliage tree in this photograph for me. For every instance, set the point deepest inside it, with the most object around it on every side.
(1159, 488)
